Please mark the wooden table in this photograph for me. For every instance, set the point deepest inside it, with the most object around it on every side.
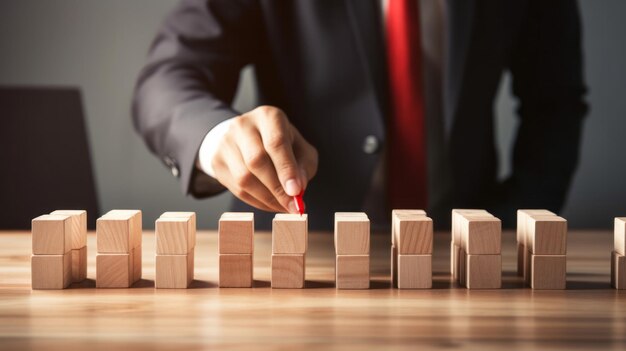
(589, 314)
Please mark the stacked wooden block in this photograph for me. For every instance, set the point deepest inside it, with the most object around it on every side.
(59, 249)
(618, 256)
(544, 237)
(289, 245)
(118, 259)
(476, 249)
(522, 252)
(175, 240)
(236, 248)
(411, 249)
(352, 249)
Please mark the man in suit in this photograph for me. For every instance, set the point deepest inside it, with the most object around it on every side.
(368, 104)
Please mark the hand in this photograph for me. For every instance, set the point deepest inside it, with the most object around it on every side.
(264, 161)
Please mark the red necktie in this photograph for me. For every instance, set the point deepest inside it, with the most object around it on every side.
(407, 137)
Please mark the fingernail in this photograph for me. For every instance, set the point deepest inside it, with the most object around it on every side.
(292, 188)
(292, 207)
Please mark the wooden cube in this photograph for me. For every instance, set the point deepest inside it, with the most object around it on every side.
(189, 215)
(289, 234)
(394, 267)
(462, 267)
(481, 235)
(415, 272)
(352, 272)
(235, 271)
(174, 271)
(136, 223)
(174, 236)
(288, 271)
(459, 215)
(546, 235)
(618, 271)
(400, 212)
(51, 235)
(352, 235)
(522, 220)
(548, 272)
(137, 255)
(619, 236)
(118, 231)
(235, 233)
(483, 271)
(51, 271)
(79, 264)
(78, 226)
(455, 253)
(114, 270)
(413, 234)
(521, 249)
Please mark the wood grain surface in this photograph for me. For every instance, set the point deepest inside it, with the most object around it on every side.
(588, 315)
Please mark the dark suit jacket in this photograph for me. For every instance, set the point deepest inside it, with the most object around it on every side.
(323, 63)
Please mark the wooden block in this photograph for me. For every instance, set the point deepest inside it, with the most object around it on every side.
(394, 267)
(235, 271)
(527, 264)
(548, 272)
(412, 212)
(114, 270)
(79, 264)
(413, 234)
(288, 271)
(174, 236)
(350, 214)
(118, 231)
(352, 235)
(483, 271)
(190, 215)
(461, 214)
(618, 271)
(235, 233)
(522, 219)
(78, 226)
(51, 235)
(547, 235)
(481, 236)
(521, 249)
(51, 271)
(462, 264)
(455, 253)
(136, 223)
(415, 272)
(137, 255)
(352, 272)
(174, 271)
(289, 234)
(619, 236)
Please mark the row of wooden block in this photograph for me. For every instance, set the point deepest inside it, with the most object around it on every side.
(618, 256)
(175, 241)
(352, 250)
(411, 249)
(59, 249)
(475, 249)
(542, 248)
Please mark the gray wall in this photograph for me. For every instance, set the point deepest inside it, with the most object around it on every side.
(100, 46)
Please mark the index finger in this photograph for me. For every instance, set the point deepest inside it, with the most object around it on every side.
(277, 139)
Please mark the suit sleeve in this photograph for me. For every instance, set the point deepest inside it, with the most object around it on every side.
(548, 81)
(188, 84)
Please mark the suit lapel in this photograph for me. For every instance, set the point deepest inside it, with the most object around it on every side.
(460, 15)
(365, 20)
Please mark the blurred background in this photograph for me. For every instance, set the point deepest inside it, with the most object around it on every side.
(99, 47)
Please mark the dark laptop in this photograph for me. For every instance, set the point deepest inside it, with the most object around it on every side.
(44, 155)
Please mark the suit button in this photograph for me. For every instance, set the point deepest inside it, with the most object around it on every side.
(169, 162)
(370, 144)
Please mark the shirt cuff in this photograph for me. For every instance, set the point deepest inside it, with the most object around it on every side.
(210, 145)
